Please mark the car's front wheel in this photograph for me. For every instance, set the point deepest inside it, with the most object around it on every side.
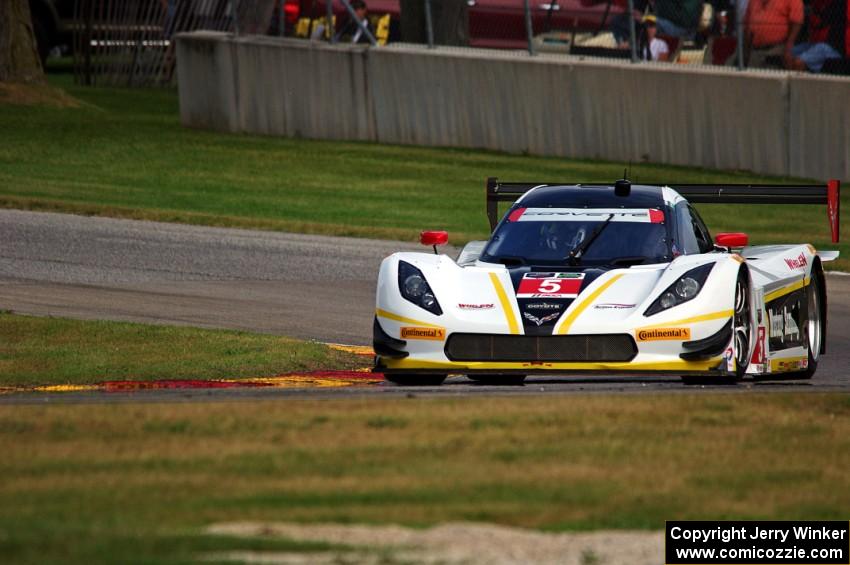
(404, 379)
(742, 336)
(742, 324)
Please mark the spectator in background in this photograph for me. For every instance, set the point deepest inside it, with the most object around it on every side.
(620, 22)
(678, 18)
(771, 29)
(825, 36)
(352, 31)
(654, 49)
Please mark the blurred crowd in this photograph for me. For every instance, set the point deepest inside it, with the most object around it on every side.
(809, 36)
(801, 35)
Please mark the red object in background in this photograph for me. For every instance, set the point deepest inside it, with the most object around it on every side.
(434, 237)
(732, 239)
(847, 32)
(291, 10)
(833, 205)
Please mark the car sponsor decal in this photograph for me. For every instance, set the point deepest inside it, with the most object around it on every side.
(638, 215)
(467, 306)
(540, 321)
(786, 320)
(433, 334)
(787, 365)
(798, 262)
(731, 362)
(613, 306)
(759, 351)
(543, 306)
(550, 285)
(664, 334)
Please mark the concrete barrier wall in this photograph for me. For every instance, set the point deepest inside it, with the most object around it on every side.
(768, 122)
(819, 127)
(206, 84)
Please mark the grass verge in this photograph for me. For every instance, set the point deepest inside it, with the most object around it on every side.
(40, 351)
(123, 153)
(112, 483)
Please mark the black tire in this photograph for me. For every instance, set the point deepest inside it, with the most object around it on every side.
(498, 380)
(742, 336)
(415, 380)
(742, 324)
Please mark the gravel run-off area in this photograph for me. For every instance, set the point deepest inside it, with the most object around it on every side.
(451, 543)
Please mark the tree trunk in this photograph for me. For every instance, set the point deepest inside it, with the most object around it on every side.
(19, 61)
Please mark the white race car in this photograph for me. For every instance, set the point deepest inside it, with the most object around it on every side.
(615, 278)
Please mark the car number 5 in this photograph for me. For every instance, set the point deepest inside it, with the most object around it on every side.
(549, 286)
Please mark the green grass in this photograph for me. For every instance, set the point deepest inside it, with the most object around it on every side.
(123, 153)
(40, 351)
(139, 482)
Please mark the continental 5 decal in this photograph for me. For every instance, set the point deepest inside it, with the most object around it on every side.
(434, 334)
(550, 285)
(639, 215)
(664, 334)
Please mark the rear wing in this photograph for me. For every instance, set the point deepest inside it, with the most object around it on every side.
(828, 194)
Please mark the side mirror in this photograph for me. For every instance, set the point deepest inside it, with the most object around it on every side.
(434, 238)
(732, 240)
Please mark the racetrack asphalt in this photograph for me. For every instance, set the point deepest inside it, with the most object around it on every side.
(304, 286)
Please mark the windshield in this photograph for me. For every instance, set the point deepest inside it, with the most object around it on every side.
(547, 236)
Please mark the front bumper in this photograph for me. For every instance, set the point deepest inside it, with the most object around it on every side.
(567, 354)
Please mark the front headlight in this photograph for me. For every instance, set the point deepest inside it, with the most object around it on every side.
(686, 288)
(414, 288)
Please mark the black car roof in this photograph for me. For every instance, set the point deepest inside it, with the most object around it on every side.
(593, 196)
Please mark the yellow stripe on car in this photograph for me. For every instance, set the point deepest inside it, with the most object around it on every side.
(722, 314)
(568, 321)
(459, 366)
(507, 307)
(779, 293)
(402, 319)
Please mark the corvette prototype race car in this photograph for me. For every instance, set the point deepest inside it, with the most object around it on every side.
(621, 278)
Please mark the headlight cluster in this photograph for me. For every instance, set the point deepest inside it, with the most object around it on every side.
(684, 289)
(414, 287)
